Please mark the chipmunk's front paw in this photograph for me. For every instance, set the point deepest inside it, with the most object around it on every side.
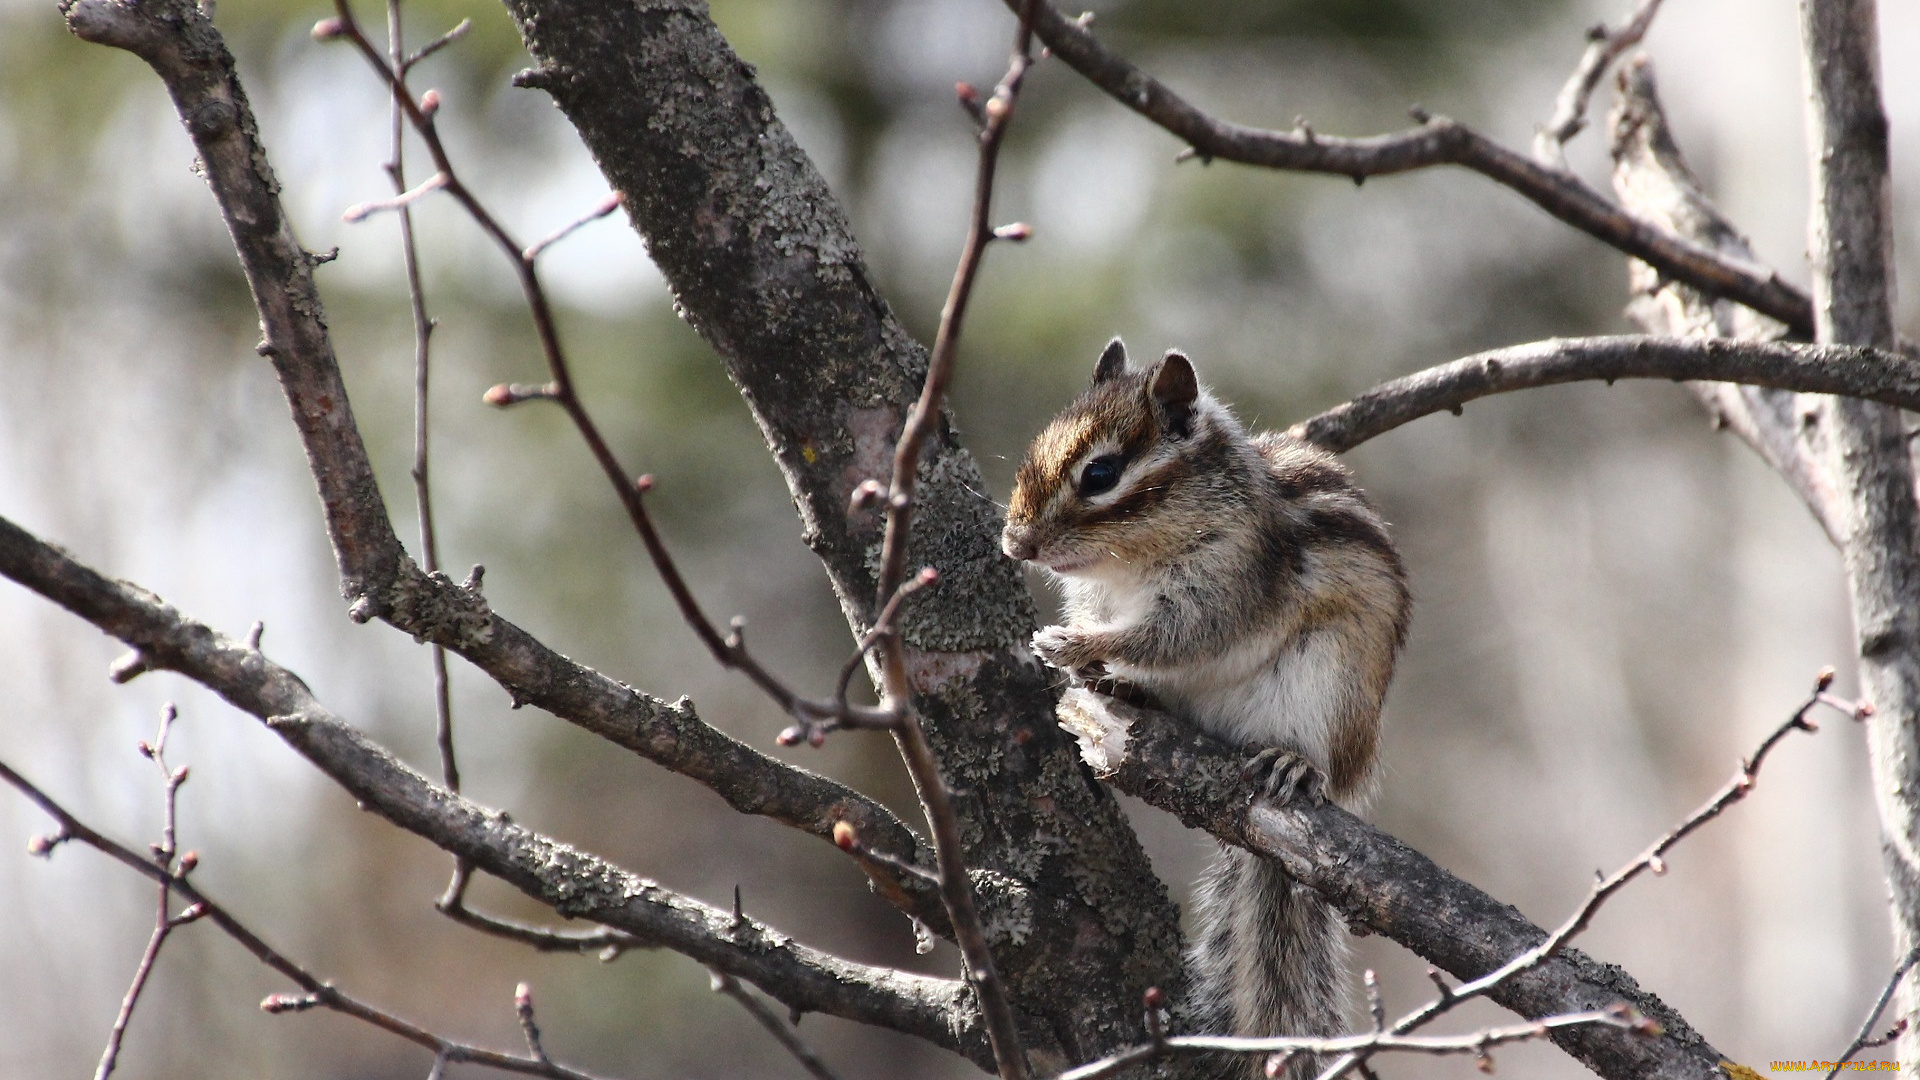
(1068, 649)
(1283, 776)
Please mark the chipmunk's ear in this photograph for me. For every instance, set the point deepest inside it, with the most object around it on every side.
(1173, 388)
(1113, 361)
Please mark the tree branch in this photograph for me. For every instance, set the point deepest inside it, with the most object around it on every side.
(1604, 46)
(1379, 883)
(1867, 373)
(1653, 180)
(768, 272)
(1437, 141)
(573, 883)
(1866, 1037)
(181, 45)
(320, 994)
(1863, 446)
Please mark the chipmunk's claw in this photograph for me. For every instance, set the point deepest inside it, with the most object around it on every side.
(1284, 776)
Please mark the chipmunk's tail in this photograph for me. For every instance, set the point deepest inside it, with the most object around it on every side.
(1269, 958)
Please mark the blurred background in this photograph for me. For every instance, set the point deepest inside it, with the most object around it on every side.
(1614, 602)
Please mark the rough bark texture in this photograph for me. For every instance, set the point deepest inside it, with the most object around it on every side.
(763, 265)
(1385, 886)
(1653, 180)
(376, 574)
(1865, 448)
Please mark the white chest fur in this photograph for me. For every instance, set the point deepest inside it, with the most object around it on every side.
(1279, 684)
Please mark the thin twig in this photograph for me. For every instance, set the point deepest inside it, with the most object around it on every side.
(164, 920)
(782, 1032)
(1473, 1042)
(1866, 1040)
(1604, 46)
(729, 649)
(161, 928)
(607, 206)
(523, 1009)
(1652, 860)
(423, 328)
(956, 889)
(459, 31)
(318, 993)
(606, 941)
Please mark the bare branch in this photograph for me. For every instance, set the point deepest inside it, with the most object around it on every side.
(956, 889)
(164, 921)
(1437, 141)
(1870, 374)
(1377, 882)
(573, 883)
(1604, 46)
(1654, 181)
(1866, 1038)
(161, 928)
(1864, 447)
(319, 993)
(1358, 1047)
(605, 941)
(423, 327)
(781, 1031)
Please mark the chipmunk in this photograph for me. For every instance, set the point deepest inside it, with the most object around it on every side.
(1244, 583)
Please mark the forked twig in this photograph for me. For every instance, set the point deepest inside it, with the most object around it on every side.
(1604, 46)
(1357, 1049)
(781, 1031)
(1866, 1040)
(164, 921)
(1652, 860)
(956, 891)
(317, 992)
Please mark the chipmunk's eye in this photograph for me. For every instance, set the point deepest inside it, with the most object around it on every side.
(1100, 475)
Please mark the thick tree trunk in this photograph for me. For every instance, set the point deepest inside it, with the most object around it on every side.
(763, 265)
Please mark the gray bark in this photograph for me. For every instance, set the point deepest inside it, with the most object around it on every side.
(763, 264)
(1847, 459)
(1386, 887)
(1850, 239)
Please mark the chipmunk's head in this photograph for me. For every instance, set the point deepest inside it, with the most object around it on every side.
(1114, 479)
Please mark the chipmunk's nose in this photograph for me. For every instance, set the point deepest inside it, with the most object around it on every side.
(1017, 542)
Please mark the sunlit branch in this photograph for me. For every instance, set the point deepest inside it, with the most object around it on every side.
(1870, 374)
(1437, 141)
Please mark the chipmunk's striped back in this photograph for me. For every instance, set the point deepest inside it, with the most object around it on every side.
(1247, 585)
